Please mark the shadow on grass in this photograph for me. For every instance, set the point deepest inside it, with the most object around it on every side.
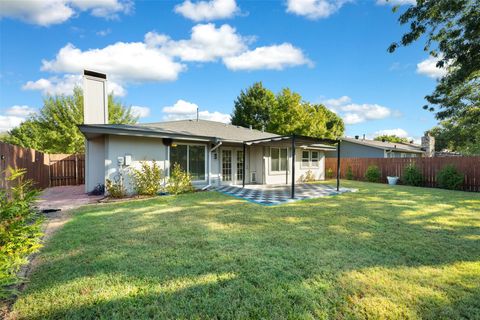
(401, 252)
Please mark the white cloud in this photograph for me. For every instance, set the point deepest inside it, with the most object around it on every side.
(64, 85)
(275, 57)
(390, 132)
(397, 2)
(428, 67)
(206, 43)
(20, 111)
(315, 9)
(353, 113)
(48, 12)
(9, 122)
(141, 112)
(186, 110)
(103, 33)
(207, 10)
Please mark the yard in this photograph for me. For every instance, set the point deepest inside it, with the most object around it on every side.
(383, 252)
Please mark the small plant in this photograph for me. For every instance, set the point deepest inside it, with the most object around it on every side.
(450, 178)
(372, 174)
(20, 229)
(179, 181)
(115, 189)
(309, 176)
(329, 173)
(412, 176)
(349, 173)
(147, 179)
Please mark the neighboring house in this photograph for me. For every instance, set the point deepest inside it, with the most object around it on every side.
(364, 148)
(213, 153)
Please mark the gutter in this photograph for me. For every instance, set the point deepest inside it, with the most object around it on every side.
(210, 165)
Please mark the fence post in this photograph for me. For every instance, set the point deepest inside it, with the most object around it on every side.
(76, 170)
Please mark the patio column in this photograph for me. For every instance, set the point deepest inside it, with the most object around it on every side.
(243, 165)
(338, 165)
(293, 166)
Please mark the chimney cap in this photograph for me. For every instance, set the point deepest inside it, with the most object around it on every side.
(94, 74)
(356, 137)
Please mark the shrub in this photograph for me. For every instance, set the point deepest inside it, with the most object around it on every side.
(179, 181)
(147, 179)
(329, 173)
(372, 174)
(309, 176)
(115, 189)
(449, 178)
(349, 173)
(412, 176)
(20, 229)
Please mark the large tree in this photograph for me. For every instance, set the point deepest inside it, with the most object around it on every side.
(451, 29)
(253, 106)
(54, 129)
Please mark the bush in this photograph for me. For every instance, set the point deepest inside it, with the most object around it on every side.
(329, 173)
(349, 173)
(20, 229)
(147, 179)
(309, 176)
(412, 176)
(372, 174)
(450, 178)
(179, 181)
(115, 189)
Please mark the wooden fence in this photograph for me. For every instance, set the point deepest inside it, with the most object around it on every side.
(469, 166)
(46, 170)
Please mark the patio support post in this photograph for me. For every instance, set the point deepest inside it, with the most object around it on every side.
(243, 165)
(338, 165)
(293, 166)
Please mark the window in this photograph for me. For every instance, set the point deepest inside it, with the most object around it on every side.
(227, 165)
(279, 160)
(305, 158)
(314, 158)
(240, 165)
(191, 159)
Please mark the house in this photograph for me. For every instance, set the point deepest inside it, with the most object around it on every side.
(213, 153)
(364, 148)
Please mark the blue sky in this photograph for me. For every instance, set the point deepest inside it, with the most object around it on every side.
(164, 58)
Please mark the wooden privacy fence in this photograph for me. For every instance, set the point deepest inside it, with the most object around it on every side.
(46, 170)
(469, 166)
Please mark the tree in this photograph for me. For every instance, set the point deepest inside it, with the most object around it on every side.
(54, 129)
(452, 30)
(253, 106)
(391, 138)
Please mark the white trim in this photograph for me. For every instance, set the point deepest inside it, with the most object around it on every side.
(188, 158)
(278, 172)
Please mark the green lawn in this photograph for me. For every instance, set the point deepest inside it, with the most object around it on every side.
(381, 253)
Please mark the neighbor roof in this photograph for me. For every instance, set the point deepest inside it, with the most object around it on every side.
(181, 129)
(395, 146)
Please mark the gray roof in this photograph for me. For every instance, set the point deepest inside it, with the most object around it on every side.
(404, 147)
(203, 129)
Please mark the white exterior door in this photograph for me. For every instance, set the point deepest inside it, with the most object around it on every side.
(231, 160)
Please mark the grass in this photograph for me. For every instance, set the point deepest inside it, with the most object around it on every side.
(381, 253)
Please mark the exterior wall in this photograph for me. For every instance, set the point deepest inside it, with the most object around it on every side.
(353, 150)
(94, 163)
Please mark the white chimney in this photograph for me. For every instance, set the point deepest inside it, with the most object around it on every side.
(95, 98)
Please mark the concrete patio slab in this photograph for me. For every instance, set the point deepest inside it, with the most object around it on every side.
(65, 198)
(270, 195)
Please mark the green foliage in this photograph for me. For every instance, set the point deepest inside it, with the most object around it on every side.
(372, 174)
(451, 29)
(349, 173)
(147, 179)
(20, 228)
(309, 177)
(253, 106)
(54, 129)
(329, 173)
(391, 138)
(450, 178)
(286, 113)
(179, 181)
(412, 176)
(115, 189)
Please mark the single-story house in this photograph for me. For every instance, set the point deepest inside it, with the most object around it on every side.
(365, 148)
(213, 153)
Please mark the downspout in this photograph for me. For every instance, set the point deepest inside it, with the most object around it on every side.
(210, 165)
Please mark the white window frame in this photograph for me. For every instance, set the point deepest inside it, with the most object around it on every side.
(305, 165)
(188, 158)
(279, 160)
(310, 161)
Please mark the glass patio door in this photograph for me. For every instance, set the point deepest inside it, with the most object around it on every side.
(232, 166)
(227, 165)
